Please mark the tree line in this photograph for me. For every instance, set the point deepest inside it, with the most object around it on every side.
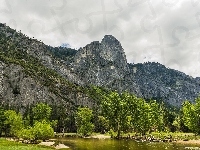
(39, 127)
(123, 113)
(116, 114)
(120, 113)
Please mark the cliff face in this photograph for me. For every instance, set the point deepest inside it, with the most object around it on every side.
(31, 73)
(158, 82)
(104, 64)
(98, 63)
(19, 90)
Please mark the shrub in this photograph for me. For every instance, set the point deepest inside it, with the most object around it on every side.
(42, 130)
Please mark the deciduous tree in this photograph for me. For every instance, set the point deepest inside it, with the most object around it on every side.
(41, 112)
(14, 122)
(83, 121)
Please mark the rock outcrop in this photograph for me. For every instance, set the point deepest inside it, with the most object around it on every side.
(161, 83)
(98, 63)
(104, 64)
(19, 90)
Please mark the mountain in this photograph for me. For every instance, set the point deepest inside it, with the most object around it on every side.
(32, 72)
(104, 64)
(161, 83)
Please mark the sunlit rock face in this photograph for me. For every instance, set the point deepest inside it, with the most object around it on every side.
(19, 90)
(104, 64)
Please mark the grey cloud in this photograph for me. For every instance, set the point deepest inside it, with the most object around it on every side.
(166, 31)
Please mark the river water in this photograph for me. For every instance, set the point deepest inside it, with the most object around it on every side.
(109, 144)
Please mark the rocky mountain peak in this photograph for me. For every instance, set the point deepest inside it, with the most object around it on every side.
(104, 64)
(108, 50)
(112, 50)
(110, 40)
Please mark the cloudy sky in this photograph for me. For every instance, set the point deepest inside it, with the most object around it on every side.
(164, 31)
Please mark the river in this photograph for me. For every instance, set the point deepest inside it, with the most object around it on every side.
(109, 144)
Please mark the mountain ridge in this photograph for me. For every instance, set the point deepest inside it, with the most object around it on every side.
(102, 64)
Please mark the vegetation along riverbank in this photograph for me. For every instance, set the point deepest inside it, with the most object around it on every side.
(119, 116)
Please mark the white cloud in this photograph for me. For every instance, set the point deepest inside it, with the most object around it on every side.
(166, 31)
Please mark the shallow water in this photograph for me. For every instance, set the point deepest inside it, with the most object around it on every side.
(109, 144)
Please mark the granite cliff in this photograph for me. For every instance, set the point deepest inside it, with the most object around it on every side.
(32, 71)
(164, 84)
(104, 64)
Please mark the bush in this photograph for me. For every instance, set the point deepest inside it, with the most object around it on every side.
(27, 134)
(86, 129)
(42, 130)
(112, 133)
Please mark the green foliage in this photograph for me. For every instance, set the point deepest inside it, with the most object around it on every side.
(27, 121)
(112, 133)
(27, 134)
(191, 115)
(14, 122)
(2, 119)
(116, 109)
(41, 112)
(63, 53)
(156, 116)
(83, 121)
(19, 127)
(12, 145)
(42, 130)
(177, 123)
(183, 127)
(102, 124)
(168, 118)
(125, 111)
(53, 123)
(147, 117)
(141, 120)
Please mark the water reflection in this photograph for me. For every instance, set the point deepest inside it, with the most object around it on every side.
(109, 144)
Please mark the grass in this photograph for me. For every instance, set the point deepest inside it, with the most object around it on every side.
(164, 135)
(11, 145)
(176, 135)
(160, 135)
(66, 135)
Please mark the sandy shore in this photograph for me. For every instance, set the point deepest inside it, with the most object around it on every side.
(196, 142)
(59, 146)
(100, 136)
(47, 143)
